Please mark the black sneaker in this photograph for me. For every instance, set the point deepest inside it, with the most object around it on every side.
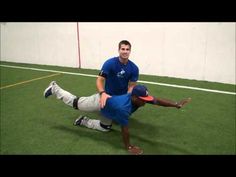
(79, 120)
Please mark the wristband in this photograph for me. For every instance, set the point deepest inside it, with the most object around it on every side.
(100, 93)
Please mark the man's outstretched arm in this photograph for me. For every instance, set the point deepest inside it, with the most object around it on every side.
(170, 103)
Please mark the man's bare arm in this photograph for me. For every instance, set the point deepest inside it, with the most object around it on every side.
(131, 86)
(170, 103)
(100, 87)
(132, 149)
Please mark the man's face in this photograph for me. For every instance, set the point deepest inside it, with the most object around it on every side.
(137, 101)
(124, 51)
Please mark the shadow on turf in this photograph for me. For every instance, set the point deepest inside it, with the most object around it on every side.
(149, 131)
(114, 137)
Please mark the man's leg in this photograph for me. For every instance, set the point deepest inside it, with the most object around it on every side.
(54, 89)
(101, 125)
(90, 103)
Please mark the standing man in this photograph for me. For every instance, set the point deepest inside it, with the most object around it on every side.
(119, 74)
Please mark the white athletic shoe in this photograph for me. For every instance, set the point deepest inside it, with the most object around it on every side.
(48, 90)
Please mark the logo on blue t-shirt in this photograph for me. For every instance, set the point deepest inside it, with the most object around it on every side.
(121, 74)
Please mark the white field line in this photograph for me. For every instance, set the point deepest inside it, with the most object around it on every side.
(146, 82)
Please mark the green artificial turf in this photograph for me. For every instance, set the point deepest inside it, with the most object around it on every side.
(31, 124)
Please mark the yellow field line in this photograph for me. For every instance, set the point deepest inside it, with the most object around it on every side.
(23, 82)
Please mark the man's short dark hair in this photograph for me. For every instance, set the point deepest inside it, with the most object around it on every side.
(125, 42)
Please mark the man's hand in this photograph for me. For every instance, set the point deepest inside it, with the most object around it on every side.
(181, 103)
(135, 150)
(103, 99)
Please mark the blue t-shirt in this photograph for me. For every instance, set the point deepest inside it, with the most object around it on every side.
(119, 108)
(118, 75)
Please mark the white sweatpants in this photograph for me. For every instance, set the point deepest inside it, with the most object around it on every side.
(88, 104)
